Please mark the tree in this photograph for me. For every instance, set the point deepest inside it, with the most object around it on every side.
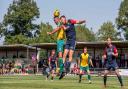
(19, 39)
(84, 34)
(107, 30)
(122, 19)
(19, 20)
(1, 29)
(43, 54)
(43, 37)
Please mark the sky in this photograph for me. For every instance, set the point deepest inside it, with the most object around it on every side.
(95, 12)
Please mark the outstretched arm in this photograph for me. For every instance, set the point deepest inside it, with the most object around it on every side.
(54, 31)
(57, 29)
(77, 21)
(81, 22)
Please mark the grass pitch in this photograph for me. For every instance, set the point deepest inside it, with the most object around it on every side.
(69, 82)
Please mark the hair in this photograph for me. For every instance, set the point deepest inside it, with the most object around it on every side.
(55, 17)
(62, 16)
(85, 47)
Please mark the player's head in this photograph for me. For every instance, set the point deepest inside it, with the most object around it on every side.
(109, 41)
(85, 49)
(53, 52)
(56, 20)
(63, 19)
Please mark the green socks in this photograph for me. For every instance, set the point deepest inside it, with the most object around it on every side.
(89, 77)
(61, 65)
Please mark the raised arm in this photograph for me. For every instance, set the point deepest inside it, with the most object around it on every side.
(54, 31)
(81, 22)
(77, 21)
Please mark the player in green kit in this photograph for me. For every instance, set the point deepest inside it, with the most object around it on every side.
(84, 62)
(60, 42)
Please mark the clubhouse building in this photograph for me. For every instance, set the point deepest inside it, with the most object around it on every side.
(95, 49)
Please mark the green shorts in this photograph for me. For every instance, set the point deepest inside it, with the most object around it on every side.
(84, 68)
(60, 45)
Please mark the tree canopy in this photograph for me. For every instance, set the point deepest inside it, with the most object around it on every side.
(84, 34)
(19, 20)
(107, 30)
(122, 19)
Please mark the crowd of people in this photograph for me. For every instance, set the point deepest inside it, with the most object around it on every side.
(15, 67)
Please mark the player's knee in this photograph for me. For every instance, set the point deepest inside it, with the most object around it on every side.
(88, 72)
(60, 54)
(118, 74)
(105, 74)
(70, 56)
(81, 72)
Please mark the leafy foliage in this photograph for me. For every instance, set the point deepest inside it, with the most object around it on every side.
(43, 37)
(122, 19)
(19, 20)
(107, 30)
(84, 34)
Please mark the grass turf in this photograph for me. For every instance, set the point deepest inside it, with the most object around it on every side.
(39, 82)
